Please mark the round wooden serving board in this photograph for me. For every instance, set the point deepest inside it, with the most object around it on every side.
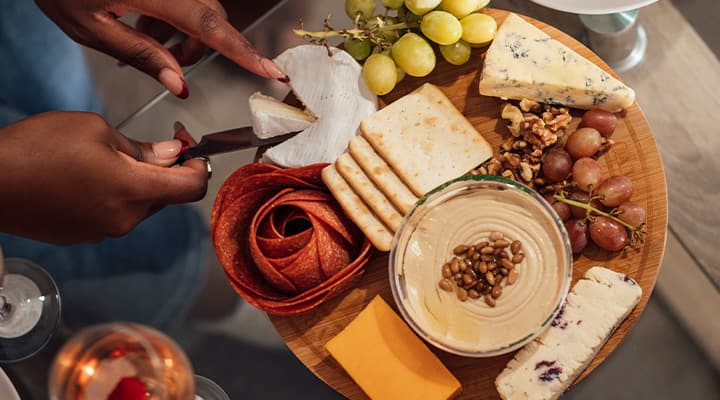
(634, 154)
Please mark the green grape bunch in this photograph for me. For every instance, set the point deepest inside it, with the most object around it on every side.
(399, 40)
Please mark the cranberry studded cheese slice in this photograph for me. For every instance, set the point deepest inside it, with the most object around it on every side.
(547, 366)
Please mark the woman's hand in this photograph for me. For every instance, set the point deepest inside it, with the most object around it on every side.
(69, 177)
(94, 23)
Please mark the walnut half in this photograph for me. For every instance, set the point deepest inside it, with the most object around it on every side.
(515, 116)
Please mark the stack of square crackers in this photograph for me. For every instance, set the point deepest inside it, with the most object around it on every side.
(406, 149)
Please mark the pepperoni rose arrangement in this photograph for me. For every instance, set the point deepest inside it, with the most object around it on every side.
(284, 242)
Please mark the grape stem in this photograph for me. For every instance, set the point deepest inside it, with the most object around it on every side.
(356, 33)
(588, 207)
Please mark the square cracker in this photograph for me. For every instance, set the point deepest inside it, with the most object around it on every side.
(425, 139)
(380, 173)
(355, 208)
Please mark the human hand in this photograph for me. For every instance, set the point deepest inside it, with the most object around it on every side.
(69, 177)
(94, 23)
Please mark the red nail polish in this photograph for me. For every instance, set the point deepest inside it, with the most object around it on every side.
(185, 145)
(285, 79)
(184, 93)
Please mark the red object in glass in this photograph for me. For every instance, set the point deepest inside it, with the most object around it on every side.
(129, 388)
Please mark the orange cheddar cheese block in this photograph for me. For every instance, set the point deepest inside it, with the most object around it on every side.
(385, 358)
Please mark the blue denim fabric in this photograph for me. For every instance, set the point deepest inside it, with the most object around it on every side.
(41, 69)
(150, 276)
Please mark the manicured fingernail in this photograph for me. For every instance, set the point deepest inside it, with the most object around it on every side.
(184, 93)
(272, 69)
(167, 149)
(285, 79)
(173, 82)
(185, 145)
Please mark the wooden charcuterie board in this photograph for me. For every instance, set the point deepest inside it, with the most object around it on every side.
(634, 154)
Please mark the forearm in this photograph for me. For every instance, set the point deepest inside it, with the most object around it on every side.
(15, 182)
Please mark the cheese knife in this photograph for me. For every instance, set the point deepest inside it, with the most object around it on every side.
(227, 141)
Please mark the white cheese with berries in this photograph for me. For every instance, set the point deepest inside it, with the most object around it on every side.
(524, 62)
(547, 366)
(271, 117)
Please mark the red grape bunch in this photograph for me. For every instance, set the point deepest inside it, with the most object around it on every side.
(593, 208)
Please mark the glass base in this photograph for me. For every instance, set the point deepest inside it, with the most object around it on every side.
(205, 389)
(22, 306)
(31, 312)
(616, 38)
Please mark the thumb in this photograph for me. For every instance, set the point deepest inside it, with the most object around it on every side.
(182, 184)
(162, 154)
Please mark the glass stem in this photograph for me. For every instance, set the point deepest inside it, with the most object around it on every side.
(5, 307)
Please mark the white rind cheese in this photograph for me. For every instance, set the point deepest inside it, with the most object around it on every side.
(546, 367)
(524, 62)
(271, 117)
(331, 86)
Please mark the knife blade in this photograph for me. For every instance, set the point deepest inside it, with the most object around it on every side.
(227, 141)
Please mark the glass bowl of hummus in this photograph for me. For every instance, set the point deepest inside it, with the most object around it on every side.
(465, 212)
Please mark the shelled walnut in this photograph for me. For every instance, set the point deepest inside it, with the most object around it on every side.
(534, 128)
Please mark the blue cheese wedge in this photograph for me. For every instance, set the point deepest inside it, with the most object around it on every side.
(547, 366)
(524, 62)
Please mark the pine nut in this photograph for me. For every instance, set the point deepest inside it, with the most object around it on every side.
(489, 300)
(513, 276)
(445, 285)
(455, 265)
(461, 249)
(446, 272)
(515, 246)
(462, 294)
(496, 236)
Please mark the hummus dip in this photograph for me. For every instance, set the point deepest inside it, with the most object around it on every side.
(524, 308)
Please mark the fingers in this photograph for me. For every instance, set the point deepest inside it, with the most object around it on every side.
(183, 184)
(155, 28)
(142, 52)
(201, 21)
(189, 51)
(147, 177)
(162, 154)
(158, 186)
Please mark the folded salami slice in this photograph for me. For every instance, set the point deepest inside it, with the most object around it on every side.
(283, 240)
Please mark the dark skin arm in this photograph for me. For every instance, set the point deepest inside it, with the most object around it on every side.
(69, 177)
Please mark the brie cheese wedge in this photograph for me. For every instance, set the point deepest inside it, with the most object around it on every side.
(271, 117)
(332, 88)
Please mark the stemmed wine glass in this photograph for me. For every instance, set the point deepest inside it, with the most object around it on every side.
(126, 361)
(612, 28)
(29, 309)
